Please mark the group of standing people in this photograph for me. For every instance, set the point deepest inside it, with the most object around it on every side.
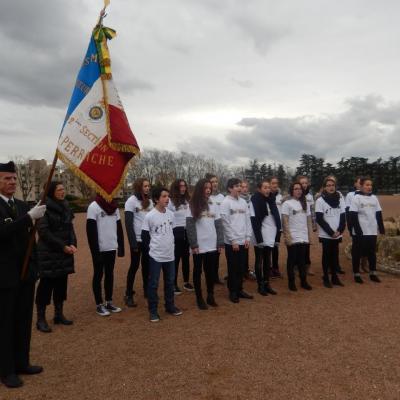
(164, 227)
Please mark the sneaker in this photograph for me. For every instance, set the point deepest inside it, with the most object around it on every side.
(175, 311)
(188, 286)
(154, 317)
(252, 275)
(177, 291)
(102, 310)
(358, 279)
(110, 307)
(306, 286)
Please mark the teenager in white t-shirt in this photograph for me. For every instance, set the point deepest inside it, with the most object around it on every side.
(157, 233)
(235, 216)
(216, 198)
(179, 205)
(136, 208)
(106, 239)
(275, 191)
(205, 234)
(331, 219)
(296, 223)
(305, 184)
(266, 221)
(366, 221)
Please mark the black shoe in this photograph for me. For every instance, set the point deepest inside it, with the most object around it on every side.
(244, 295)
(269, 289)
(336, 281)
(218, 282)
(30, 370)
(340, 271)
(306, 286)
(327, 283)
(202, 304)
(211, 300)
(233, 298)
(129, 302)
(261, 290)
(59, 317)
(12, 381)
(188, 286)
(358, 279)
(374, 278)
(177, 291)
(292, 287)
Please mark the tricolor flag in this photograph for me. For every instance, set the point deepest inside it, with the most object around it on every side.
(96, 141)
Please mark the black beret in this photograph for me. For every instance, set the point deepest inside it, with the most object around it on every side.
(8, 167)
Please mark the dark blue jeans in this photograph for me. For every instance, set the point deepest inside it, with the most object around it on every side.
(168, 269)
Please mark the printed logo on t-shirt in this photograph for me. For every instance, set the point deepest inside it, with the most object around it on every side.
(137, 209)
(363, 205)
(103, 214)
(238, 211)
(207, 214)
(298, 211)
(162, 228)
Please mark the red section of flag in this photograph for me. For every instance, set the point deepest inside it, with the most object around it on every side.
(119, 126)
(105, 166)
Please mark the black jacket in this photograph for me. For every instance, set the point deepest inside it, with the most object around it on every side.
(14, 238)
(55, 231)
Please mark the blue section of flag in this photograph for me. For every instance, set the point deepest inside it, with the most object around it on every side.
(88, 75)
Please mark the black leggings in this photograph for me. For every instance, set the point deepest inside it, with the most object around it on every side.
(263, 263)
(181, 253)
(136, 256)
(51, 286)
(363, 246)
(103, 265)
(297, 257)
(208, 262)
(330, 256)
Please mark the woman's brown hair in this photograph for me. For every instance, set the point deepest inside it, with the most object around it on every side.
(199, 202)
(175, 193)
(302, 199)
(138, 190)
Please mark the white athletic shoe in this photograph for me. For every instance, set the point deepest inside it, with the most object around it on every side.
(102, 311)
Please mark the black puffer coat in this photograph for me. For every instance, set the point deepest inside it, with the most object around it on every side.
(56, 231)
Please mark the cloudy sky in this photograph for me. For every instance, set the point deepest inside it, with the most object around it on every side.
(233, 79)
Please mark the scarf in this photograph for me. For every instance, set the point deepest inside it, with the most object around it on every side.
(259, 202)
(109, 208)
(333, 199)
(245, 197)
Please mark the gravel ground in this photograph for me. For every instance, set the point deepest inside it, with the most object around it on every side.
(340, 343)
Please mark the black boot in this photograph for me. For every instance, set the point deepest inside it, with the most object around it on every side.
(374, 278)
(326, 282)
(269, 289)
(59, 317)
(41, 323)
(211, 300)
(261, 289)
(336, 281)
(201, 304)
(129, 302)
(292, 285)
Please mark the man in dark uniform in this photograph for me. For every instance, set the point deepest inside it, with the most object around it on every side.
(16, 295)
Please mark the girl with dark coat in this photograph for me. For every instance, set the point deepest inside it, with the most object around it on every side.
(56, 248)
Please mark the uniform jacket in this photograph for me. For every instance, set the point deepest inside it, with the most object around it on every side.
(14, 238)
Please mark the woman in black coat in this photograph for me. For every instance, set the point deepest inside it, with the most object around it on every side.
(56, 248)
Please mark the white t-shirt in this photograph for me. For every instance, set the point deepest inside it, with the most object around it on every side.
(235, 215)
(180, 213)
(349, 198)
(160, 225)
(297, 220)
(268, 228)
(331, 216)
(278, 201)
(366, 207)
(205, 229)
(217, 199)
(134, 205)
(106, 226)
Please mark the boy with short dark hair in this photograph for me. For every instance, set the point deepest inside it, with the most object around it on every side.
(157, 233)
(235, 216)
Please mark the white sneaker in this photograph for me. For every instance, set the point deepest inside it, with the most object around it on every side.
(110, 307)
(102, 311)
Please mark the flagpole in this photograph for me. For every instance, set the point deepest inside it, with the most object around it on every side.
(34, 229)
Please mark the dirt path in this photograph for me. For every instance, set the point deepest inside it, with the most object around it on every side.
(340, 343)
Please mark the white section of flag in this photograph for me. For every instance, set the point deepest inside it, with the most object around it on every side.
(85, 127)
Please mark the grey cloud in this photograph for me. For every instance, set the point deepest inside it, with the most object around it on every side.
(370, 127)
(246, 84)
